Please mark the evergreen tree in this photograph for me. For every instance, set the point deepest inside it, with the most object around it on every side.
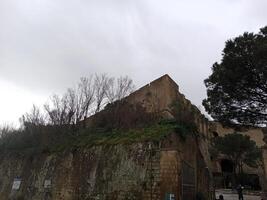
(237, 87)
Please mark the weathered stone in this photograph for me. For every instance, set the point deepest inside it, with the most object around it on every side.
(137, 171)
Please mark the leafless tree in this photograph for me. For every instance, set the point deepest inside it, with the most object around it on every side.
(80, 100)
(57, 110)
(119, 88)
(5, 130)
(125, 87)
(34, 117)
(91, 94)
(86, 93)
(101, 85)
(73, 106)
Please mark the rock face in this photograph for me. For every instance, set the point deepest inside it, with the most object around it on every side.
(170, 167)
(111, 172)
(137, 171)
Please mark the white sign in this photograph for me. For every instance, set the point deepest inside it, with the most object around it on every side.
(16, 184)
(169, 196)
(47, 183)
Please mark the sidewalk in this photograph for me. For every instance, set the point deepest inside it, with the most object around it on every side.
(232, 195)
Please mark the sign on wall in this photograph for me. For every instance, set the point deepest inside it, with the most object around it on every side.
(47, 183)
(169, 196)
(16, 184)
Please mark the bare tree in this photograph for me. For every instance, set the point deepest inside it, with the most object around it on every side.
(101, 86)
(73, 106)
(34, 117)
(5, 130)
(71, 103)
(111, 90)
(80, 100)
(58, 114)
(91, 94)
(119, 88)
(86, 93)
(125, 86)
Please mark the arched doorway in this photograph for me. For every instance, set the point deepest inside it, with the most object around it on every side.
(227, 168)
(215, 134)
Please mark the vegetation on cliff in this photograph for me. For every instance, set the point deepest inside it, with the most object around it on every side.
(60, 138)
(155, 132)
(87, 98)
(62, 115)
(122, 121)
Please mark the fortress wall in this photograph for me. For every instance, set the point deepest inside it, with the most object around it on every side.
(156, 96)
(255, 134)
(103, 172)
(111, 172)
(161, 95)
(134, 171)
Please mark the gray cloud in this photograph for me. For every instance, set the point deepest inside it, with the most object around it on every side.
(46, 45)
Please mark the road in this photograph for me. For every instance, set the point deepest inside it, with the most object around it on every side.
(229, 196)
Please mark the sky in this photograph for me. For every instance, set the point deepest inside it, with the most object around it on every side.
(47, 45)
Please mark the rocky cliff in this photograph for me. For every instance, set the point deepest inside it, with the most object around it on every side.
(136, 171)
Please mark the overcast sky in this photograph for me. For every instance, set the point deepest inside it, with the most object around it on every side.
(46, 45)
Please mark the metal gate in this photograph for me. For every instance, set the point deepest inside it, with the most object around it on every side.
(188, 182)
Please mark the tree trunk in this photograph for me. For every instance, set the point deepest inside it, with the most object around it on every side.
(234, 181)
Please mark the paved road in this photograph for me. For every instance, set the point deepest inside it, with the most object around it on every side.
(235, 196)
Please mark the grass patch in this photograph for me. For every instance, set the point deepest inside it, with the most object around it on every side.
(57, 139)
(94, 137)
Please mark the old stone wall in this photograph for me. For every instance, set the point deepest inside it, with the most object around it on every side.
(138, 171)
(255, 134)
(162, 98)
(173, 166)
(184, 171)
(112, 172)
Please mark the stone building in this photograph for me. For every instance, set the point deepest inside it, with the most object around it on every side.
(167, 168)
(222, 168)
